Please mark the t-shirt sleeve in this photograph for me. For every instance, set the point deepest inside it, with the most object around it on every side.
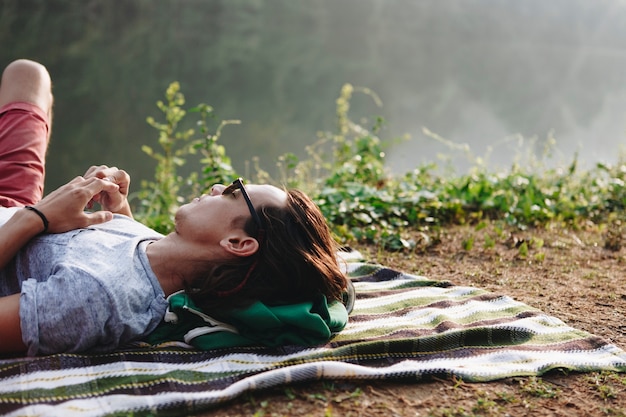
(68, 314)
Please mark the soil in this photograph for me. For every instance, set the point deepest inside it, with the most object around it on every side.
(576, 275)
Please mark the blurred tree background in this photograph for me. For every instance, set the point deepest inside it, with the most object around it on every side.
(473, 71)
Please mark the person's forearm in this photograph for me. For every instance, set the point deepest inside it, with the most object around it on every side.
(10, 328)
(17, 232)
(14, 234)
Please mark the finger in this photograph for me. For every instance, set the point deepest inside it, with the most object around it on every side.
(98, 217)
(95, 186)
(77, 179)
(100, 171)
(118, 176)
(90, 171)
(95, 169)
(108, 186)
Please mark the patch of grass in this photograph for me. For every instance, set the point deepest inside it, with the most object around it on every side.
(607, 384)
(261, 412)
(290, 394)
(615, 235)
(354, 395)
(537, 387)
(539, 257)
(505, 397)
(484, 404)
(592, 275)
(523, 250)
(452, 412)
(489, 242)
(468, 243)
(345, 173)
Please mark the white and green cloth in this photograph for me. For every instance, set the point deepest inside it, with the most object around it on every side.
(403, 327)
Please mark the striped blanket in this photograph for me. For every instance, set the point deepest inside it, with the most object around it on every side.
(403, 326)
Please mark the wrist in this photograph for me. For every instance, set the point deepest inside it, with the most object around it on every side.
(42, 216)
(28, 222)
(124, 209)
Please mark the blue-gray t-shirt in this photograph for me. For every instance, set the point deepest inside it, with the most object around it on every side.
(89, 289)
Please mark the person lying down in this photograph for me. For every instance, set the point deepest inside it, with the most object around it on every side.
(245, 264)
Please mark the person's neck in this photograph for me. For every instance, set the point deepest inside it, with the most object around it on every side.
(160, 263)
(172, 263)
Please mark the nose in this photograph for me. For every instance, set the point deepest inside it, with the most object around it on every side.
(218, 189)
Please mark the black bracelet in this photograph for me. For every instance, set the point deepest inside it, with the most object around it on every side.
(41, 216)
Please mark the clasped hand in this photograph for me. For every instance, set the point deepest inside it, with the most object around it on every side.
(113, 201)
(65, 207)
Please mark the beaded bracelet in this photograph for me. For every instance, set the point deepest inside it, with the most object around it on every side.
(41, 216)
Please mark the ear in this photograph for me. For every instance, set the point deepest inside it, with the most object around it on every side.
(240, 245)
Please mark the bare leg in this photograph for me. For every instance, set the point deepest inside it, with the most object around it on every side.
(25, 118)
(24, 136)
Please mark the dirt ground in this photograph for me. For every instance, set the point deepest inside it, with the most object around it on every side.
(575, 275)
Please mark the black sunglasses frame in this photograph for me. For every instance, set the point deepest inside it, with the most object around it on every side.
(238, 184)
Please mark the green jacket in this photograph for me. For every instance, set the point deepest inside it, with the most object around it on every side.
(305, 324)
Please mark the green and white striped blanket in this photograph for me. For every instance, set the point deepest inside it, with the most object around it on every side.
(403, 326)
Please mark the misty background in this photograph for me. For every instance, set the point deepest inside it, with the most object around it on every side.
(497, 75)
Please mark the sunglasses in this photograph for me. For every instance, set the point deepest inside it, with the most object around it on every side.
(238, 184)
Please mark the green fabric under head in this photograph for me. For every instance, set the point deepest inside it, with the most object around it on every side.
(306, 324)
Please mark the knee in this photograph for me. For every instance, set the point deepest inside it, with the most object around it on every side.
(27, 69)
(28, 80)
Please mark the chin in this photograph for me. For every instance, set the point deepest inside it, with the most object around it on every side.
(178, 215)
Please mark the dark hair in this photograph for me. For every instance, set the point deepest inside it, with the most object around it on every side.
(296, 260)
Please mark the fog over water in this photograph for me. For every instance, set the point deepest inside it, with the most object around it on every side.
(553, 72)
(503, 77)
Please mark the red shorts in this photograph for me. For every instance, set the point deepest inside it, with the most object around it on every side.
(23, 143)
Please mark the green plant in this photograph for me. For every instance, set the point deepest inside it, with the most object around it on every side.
(216, 165)
(346, 175)
(537, 387)
(539, 257)
(522, 251)
(468, 243)
(484, 404)
(614, 235)
(289, 393)
(505, 397)
(454, 412)
(607, 384)
(159, 199)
